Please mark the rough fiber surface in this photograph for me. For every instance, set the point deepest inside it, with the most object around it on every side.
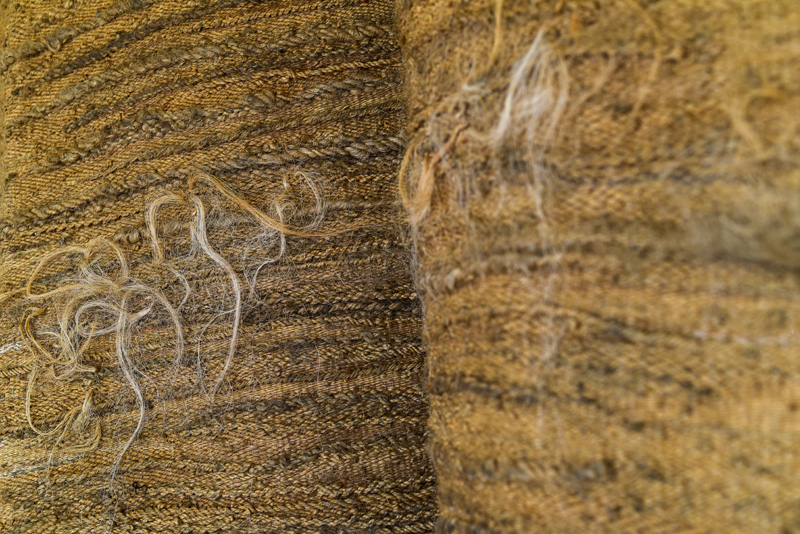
(319, 422)
(607, 228)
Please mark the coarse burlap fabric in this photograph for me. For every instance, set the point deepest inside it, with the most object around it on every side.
(319, 423)
(606, 207)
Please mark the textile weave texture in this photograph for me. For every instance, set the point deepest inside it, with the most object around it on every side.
(295, 109)
(486, 267)
(605, 208)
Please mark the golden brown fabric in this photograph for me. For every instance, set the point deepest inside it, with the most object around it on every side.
(603, 200)
(319, 423)
(606, 206)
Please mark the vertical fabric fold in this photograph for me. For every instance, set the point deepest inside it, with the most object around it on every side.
(604, 201)
(208, 322)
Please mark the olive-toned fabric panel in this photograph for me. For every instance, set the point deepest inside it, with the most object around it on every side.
(319, 422)
(606, 207)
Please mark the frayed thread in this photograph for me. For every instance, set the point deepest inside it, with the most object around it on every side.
(104, 298)
(534, 103)
(484, 149)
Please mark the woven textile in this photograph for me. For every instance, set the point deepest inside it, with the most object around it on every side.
(605, 197)
(264, 139)
(209, 321)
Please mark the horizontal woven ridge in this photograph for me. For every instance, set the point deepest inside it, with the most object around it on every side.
(320, 423)
(604, 202)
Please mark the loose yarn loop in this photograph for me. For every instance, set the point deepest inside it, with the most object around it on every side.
(124, 300)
